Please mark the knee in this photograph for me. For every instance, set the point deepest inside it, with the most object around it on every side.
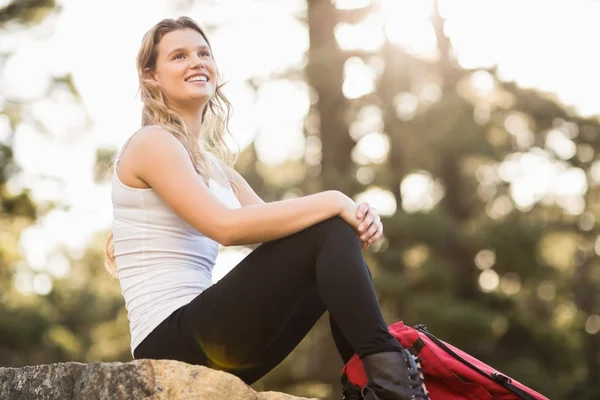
(319, 233)
(335, 226)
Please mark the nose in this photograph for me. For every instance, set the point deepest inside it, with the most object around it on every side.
(195, 61)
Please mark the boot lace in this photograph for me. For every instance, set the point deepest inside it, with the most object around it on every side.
(416, 378)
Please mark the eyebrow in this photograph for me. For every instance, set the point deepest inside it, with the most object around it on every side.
(202, 47)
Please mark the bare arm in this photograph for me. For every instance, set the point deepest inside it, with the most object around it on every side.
(372, 228)
(269, 221)
(161, 161)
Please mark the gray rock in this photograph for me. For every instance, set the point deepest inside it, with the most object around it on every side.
(140, 379)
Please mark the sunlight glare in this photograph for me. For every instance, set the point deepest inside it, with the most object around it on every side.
(42, 284)
(592, 324)
(406, 105)
(510, 283)
(359, 78)
(488, 280)
(499, 207)
(58, 265)
(557, 48)
(35, 247)
(558, 142)
(282, 106)
(350, 4)
(5, 129)
(365, 175)
(366, 35)
(22, 78)
(535, 175)
(407, 23)
(383, 200)
(63, 115)
(369, 119)
(374, 146)
(420, 192)
(244, 123)
(240, 37)
(483, 82)
(485, 259)
(23, 282)
(313, 152)
(430, 93)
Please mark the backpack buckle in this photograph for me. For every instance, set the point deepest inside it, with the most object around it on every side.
(501, 378)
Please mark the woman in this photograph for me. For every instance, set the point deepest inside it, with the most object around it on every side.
(174, 202)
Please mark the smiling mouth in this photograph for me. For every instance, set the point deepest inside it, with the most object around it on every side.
(200, 78)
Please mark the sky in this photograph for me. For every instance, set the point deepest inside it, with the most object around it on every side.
(546, 44)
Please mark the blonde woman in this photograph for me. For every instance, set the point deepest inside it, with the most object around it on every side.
(175, 201)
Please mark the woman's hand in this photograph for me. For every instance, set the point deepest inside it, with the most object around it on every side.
(347, 210)
(370, 228)
(361, 216)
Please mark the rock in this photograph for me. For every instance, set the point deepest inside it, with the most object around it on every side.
(139, 379)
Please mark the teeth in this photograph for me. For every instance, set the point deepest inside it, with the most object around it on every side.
(198, 78)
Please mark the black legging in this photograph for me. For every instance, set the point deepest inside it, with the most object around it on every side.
(251, 319)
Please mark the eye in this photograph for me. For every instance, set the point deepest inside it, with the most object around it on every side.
(205, 53)
(177, 55)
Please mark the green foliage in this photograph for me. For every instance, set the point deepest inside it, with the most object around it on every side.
(27, 12)
(83, 317)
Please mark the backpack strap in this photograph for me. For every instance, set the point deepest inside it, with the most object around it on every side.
(496, 377)
(507, 383)
(417, 346)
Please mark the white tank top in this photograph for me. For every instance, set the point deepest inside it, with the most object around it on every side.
(162, 262)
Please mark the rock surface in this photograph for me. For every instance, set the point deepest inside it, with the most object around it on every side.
(140, 379)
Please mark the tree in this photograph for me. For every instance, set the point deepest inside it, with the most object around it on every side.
(82, 317)
(497, 254)
(510, 280)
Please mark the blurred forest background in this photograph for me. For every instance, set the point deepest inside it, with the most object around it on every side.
(511, 278)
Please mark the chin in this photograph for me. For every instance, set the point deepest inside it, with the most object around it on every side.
(200, 98)
(202, 93)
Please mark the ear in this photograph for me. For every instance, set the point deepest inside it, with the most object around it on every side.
(148, 74)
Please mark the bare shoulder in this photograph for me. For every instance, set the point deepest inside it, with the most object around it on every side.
(155, 137)
(149, 146)
(156, 144)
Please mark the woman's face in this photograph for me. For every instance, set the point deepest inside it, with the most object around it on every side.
(185, 69)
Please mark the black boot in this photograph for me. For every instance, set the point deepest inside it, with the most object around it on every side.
(394, 376)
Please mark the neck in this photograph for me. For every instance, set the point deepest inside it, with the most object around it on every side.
(193, 121)
(192, 118)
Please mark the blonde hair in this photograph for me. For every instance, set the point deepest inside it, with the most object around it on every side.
(157, 111)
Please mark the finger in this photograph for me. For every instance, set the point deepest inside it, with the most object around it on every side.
(367, 209)
(371, 222)
(377, 235)
(369, 233)
(367, 222)
(362, 209)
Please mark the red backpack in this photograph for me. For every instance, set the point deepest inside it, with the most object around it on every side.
(450, 374)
